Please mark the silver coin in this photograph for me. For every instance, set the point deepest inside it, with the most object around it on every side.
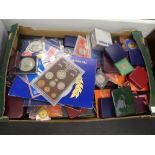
(27, 64)
(60, 85)
(100, 78)
(52, 83)
(49, 75)
(36, 46)
(61, 74)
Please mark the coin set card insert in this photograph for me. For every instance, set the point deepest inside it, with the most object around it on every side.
(56, 80)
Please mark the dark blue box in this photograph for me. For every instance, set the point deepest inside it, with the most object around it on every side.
(98, 56)
(116, 52)
(70, 41)
(106, 108)
(136, 58)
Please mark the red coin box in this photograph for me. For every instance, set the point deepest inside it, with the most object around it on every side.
(14, 107)
(139, 77)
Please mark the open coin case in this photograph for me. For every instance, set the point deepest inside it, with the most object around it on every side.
(26, 65)
(57, 79)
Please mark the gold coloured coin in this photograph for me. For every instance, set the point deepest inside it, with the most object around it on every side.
(53, 95)
(47, 89)
(41, 83)
(43, 113)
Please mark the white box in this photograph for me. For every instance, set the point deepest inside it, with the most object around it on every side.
(100, 39)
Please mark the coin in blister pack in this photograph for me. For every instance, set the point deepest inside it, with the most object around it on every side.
(101, 79)
(36, 46)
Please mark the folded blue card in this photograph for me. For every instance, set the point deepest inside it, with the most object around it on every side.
(82, 93)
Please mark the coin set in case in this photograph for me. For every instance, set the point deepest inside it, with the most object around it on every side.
(55, 81)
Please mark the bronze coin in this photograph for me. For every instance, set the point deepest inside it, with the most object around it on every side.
(47, 89)
(41, 83)
(53, 95)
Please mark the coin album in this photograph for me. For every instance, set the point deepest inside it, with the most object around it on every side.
(97, 75)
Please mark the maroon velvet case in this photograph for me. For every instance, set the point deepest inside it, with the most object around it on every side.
(139, 77)
(14, 107)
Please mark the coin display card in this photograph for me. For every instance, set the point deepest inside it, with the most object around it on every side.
(27, 65)
(57, 79)
(81, 48)
(101, 79)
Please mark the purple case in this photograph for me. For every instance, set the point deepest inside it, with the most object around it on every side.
(108, 65)
(70, 41)
(136, 58)
(116, 52)
(106, 108)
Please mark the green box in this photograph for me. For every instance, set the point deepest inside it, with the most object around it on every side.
(124, 66)
(124, 102)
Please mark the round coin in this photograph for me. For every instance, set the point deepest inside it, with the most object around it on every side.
(60, 85)
(27, 64)
(47, 89)
(52, 83)
(36, 46)
(100, 78)
(61, 74)
(53, 95)
(41, 83)
(43, 113)
(49, 75)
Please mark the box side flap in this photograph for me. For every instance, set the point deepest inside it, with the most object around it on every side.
(48, 33)
(4, 66)
(137, 35)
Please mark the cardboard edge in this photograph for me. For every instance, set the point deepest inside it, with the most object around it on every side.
(4, 66)
(138, 37)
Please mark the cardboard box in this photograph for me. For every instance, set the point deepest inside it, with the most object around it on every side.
(15, 33)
